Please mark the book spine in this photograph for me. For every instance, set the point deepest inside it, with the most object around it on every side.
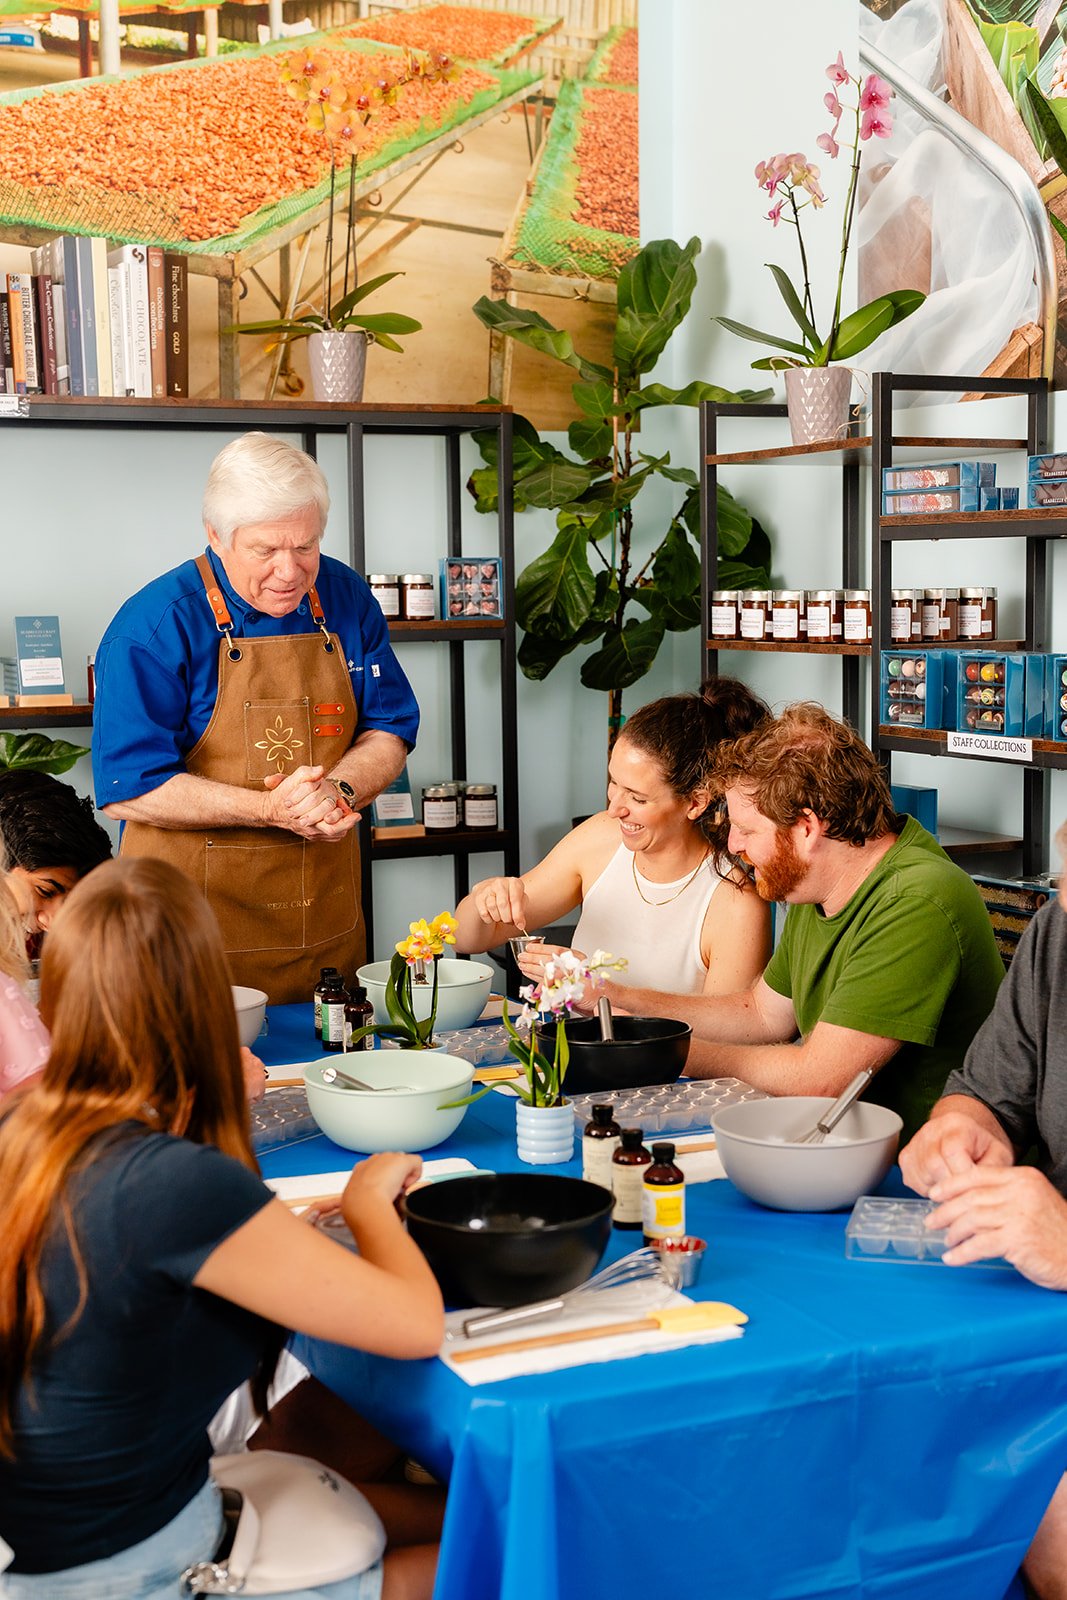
(15, 336)
(7, 376)
(22, 286)
(142, 355)
(116, 313)
(87, 315)
(46, 331)
(177, 324)
(101, 316)
(72, 304)
(157, 334)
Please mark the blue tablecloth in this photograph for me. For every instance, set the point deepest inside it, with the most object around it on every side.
(880, 1430)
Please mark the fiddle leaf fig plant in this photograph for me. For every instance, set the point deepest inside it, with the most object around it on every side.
(616, 579)
(36, 752)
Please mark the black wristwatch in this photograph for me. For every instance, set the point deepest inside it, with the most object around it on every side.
(345, 793)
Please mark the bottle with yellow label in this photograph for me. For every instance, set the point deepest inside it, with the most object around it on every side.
(663, 1196)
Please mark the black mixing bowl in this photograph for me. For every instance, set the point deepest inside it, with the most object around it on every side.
(645, 1050)
(501, 1239)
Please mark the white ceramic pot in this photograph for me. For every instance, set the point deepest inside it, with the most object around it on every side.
(338, 362)
(545, 1134)
(462, 990)
(411, 1110)
(817, 399)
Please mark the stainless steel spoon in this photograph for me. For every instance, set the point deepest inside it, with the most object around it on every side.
(335, 1075)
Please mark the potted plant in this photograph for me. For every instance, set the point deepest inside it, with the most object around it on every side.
(338, 333)
(817, 394)
(613, 582)
(425, 943)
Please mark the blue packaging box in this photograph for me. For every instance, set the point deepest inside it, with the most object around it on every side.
(941, 475)
(1006, 498)
(1056, 697)
(1001, 693)
(911, 801)
(917, 502)
(1050, 466)
(470, 587)
(1009, 497)
(1042, 493)
(913, 687)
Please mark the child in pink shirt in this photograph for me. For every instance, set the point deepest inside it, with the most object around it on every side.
(23, 1037)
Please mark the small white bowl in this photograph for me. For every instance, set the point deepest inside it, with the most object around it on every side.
(251, 1008)
(462, 990)
(757, 1142)
(412, 1118)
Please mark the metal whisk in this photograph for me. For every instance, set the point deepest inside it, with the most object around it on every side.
(638, 1266)
(832, 1116)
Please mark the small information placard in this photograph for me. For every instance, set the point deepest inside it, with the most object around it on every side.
(1000, 746)
(394, 806)
(39, 655)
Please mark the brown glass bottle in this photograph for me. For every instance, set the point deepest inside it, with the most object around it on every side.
(627, 1170)
(663, 1195)
(359, 1013)
(325, 975)
(334, 999)
(600, 1140)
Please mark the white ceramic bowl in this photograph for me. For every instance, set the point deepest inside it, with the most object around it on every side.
(404, 1119)
(251, 1007)
(756, 1141)
(462, 990)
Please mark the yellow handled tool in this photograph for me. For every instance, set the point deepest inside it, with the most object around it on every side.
(695, 1318)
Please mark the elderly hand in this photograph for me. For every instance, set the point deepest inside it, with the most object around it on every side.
(305, 803)
(1014, 1213)
(501, 900)
(255, 1075)
(951, 1144)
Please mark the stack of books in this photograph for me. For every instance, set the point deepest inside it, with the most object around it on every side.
(97, 320)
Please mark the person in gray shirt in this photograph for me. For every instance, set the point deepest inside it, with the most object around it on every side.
(1009, 1097)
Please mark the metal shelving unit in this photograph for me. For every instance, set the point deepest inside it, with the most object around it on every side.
(358, 423)
(1035, 527)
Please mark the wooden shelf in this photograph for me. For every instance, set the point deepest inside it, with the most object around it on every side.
(463, 843)
(796, 646)
(439, 630)
(1029, 524)
(933, 742)
(964, 646)
(860, 445)
(24, 717)
(969, 842)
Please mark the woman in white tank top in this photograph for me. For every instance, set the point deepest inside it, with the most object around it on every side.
(650, 872)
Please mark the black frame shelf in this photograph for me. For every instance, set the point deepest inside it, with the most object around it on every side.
(1035, 527)
(850, 451)
(310, 419)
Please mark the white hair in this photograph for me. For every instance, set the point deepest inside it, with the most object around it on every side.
(259, 478)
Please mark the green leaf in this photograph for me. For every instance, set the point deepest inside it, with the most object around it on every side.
(353, 298)
(555, 483)
(743, 331)
(739, 575)
(1049, 124)
(537, 656)
(655, 289)
(676, 574)
(625, 658)
(386, 342)
(554, 594)
(595, 399)
(381, 322)
(36, 752)
(1060, 227)
(735, 522)
(860, 329)
(658, 394)
(794, 306)
(780, 364)
(676, 474)
(298, 329)
(531, 329)
(591, 440)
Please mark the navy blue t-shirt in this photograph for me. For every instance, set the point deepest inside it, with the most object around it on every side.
(112, 1442)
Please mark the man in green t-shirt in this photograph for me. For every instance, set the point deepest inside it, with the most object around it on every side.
(887, 959)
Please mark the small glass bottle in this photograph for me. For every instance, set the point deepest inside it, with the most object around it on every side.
(600, 1140)
(325, 974)
(359, 1013)
(627, 1170)
(663, 1196)
(334, 999)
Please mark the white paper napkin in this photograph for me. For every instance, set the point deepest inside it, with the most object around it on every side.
(624, 1304)
(322, 1183)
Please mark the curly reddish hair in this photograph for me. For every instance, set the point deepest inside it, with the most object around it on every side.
(808, 760)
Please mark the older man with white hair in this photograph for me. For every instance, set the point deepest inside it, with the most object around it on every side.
(247, 703)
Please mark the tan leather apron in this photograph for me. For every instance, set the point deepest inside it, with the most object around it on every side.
(286, 906)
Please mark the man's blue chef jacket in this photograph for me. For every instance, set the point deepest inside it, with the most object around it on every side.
(157, 671)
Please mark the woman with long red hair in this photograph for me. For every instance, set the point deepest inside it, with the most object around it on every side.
(146, 1270)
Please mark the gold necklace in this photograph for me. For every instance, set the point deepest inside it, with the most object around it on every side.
(677, 892)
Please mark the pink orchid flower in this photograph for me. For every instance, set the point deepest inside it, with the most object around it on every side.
(876, 124)
(775, 213)
(836, 71)
(833, 106)
(829, 144)
(875, 94)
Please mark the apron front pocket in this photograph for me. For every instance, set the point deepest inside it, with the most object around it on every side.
(277, 737)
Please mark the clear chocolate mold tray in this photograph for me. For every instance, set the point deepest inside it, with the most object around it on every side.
(895, 1230)
(482, 1047)
(280, 1118)
(667, 1107)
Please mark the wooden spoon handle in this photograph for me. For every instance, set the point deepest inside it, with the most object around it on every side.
(541, 1341)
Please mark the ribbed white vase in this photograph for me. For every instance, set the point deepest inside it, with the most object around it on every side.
(545, 1134)
(337, 359)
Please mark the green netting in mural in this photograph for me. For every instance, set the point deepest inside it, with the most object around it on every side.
(547, 236)
(442, 39)
(602, 68)
(150, 218)
(27, 8)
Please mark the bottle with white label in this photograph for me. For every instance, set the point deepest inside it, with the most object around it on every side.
(627, 1170)
(600, 1140)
